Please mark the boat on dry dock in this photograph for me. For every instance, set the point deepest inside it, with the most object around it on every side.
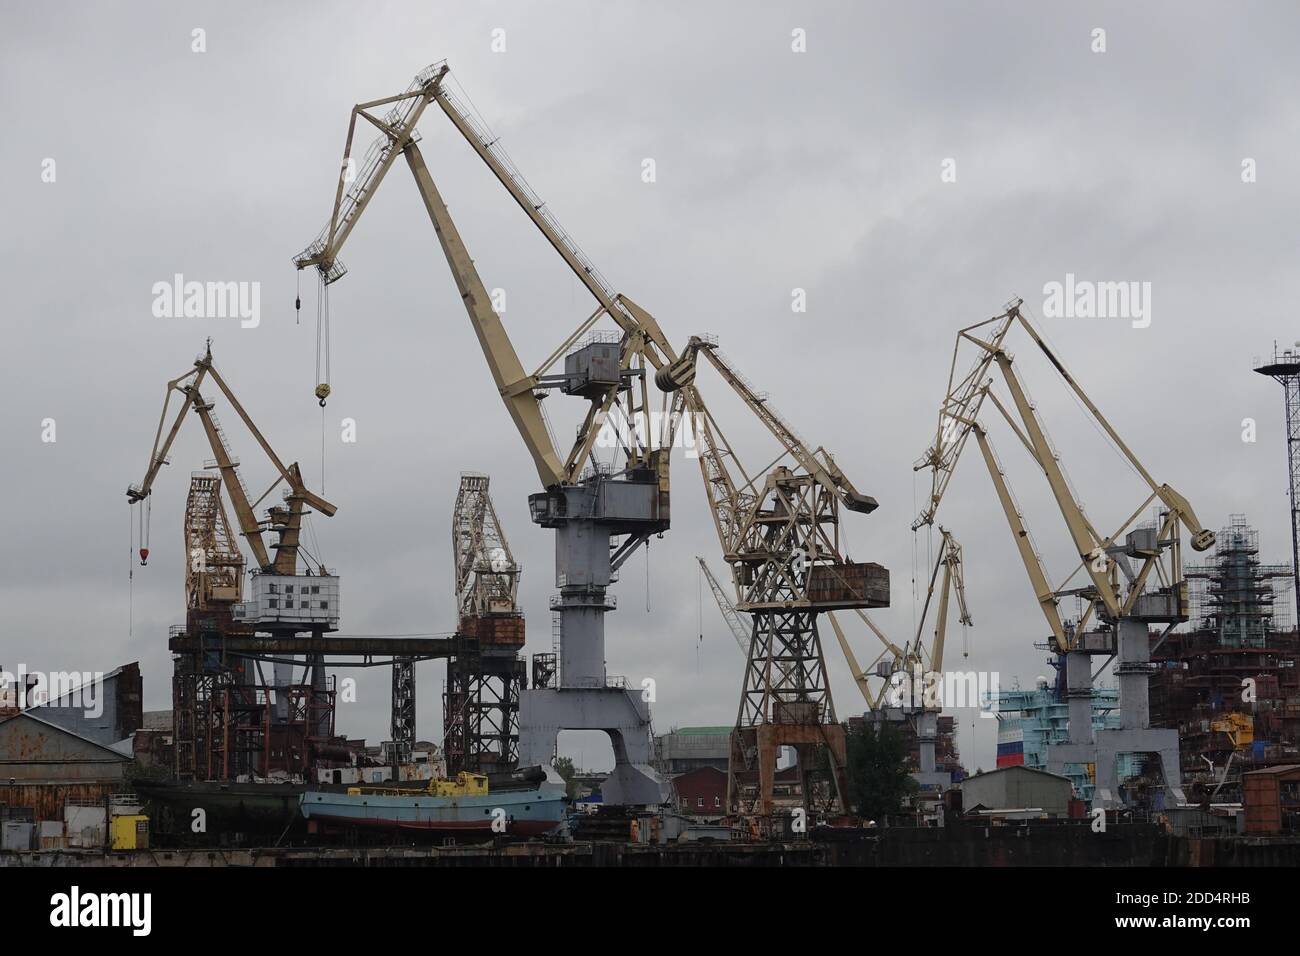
(462, 806)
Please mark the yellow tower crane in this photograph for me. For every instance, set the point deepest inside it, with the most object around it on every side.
(286, 522)
(1120, 600)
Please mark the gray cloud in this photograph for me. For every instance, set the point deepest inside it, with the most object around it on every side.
(776, 171)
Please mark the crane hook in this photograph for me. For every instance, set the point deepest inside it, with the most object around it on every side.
(322, 392)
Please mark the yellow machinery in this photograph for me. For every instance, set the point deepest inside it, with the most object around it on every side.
(1240, 729)
(781, 534)
(465, 785)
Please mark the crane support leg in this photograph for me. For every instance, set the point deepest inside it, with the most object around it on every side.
(619, 712)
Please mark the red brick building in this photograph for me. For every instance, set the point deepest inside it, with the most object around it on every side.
(702, 792)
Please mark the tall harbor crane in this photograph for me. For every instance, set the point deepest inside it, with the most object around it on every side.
(225, 723)
(1130, 583)
(601, 512)
(781, 536)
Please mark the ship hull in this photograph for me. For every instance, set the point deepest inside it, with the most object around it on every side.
(522, 812)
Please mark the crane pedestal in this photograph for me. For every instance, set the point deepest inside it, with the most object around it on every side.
(586, 518)
(928, 775)
(1102, 748)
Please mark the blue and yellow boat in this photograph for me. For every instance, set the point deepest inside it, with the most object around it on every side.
(460, 806)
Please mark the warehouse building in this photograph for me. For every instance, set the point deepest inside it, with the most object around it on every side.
(45, 767)
(1017, 788)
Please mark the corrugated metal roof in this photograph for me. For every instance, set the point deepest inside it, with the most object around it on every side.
(28, 715)
(1280, 769)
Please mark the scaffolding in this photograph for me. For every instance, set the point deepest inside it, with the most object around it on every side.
(228, 727)
(1234, 595)
(1237, 658)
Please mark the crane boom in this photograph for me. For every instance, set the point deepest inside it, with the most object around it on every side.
(643, 338)
(817, 463)
(729, 612)
(961, 407)
(959, 418)
(629, 317)
(515, 386)
(285, 522)
(915, 654)
(954, 581)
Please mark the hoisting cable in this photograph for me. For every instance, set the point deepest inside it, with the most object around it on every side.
(323, 341)
(699, 612)
(322, 446)
(315, 543)
(130, 572)
(699, 599)
(145, 510)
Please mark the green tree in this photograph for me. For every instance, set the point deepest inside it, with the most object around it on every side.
(564, 767)
(877, 771)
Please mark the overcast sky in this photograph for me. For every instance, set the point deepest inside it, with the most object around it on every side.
(775, 170)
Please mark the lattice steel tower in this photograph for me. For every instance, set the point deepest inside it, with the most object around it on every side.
(486, 674)
(1285, 368)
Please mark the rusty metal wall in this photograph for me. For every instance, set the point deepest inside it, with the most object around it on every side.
(34, 751)
(46, 800)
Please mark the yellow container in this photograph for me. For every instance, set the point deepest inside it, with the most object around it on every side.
(130, 832)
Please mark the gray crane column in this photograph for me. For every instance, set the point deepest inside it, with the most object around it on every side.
(1078, 695)
(1080, 746)
(586, 518)
(1135, 733)
(927, 733)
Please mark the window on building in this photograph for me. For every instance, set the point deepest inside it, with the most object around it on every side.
(324, 605)
(288, 589)
(274, 602)
(717, 802)
(699, 802)
(315, 589)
